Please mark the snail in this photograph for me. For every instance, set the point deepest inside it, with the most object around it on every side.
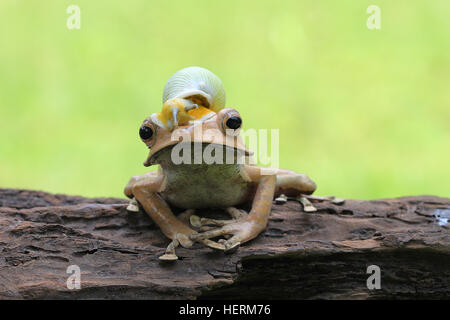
(192, 93)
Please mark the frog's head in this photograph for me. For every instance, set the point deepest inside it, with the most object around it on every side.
(216, 129)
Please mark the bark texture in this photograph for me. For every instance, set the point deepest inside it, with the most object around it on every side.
(321, 255)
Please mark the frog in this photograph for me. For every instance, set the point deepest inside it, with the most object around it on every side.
(194, 122)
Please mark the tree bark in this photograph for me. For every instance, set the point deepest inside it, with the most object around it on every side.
(320, 255)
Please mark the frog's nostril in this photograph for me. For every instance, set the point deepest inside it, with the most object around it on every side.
(145, 133)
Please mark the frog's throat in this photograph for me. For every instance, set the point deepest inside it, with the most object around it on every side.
(162, 156)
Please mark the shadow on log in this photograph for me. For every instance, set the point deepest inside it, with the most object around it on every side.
(321, 255)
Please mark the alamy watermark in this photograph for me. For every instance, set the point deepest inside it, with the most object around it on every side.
(74, 280)
(374, 20)
(374, 281)
(229, 148)
(74, 20)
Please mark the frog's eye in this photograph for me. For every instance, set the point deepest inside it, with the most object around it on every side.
(234, 122)
(148, 131)
(230, 120)
(145, 132)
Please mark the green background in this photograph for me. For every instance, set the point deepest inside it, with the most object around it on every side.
(365, 113)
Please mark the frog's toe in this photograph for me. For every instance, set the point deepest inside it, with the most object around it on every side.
(195, 221)
(133, 206)
(333, 199)
(208, 228)
(305, 200)
(184, 240)
(211, 233)
(168, 257)
(222, 245)
(307, 205)
(236, 213)
(215, 222)
(338, 201)
(231, 245)
(203, 223)
(281, 199)
(214, 245)
(234, 235)
(205, 228)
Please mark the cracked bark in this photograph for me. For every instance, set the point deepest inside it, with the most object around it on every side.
(300, 255)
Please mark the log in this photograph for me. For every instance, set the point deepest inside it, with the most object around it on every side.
(319, 255)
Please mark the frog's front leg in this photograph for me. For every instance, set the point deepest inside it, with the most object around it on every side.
(145, 190)
(249, 226)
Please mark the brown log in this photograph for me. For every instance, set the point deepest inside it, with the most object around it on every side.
(301, 255)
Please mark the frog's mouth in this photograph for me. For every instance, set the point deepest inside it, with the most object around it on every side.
(199, 153)
(204, 133)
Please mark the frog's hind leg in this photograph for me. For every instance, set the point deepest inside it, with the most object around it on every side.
(147, 178)
(299, 187)
(292, 183)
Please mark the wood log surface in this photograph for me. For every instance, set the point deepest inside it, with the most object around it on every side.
(319, 255)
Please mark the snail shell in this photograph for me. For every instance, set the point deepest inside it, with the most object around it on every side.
(199, 85)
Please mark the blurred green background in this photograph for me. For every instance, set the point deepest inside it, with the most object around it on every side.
(365, 113)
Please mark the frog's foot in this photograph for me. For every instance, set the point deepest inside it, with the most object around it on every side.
(205, 223)
(210, 225)
(281, 199)
(235, 231)
(333, 199)
(185, 242)
(198, 222)
(305, 200)
(179, 239)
